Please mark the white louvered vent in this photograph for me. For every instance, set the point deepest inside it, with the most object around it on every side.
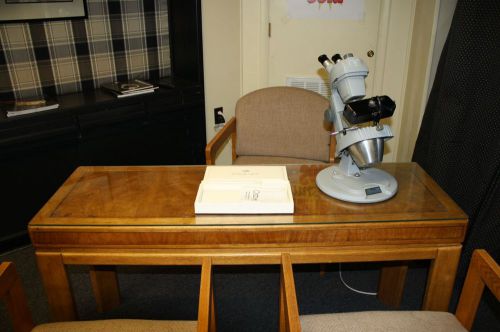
(310, 83)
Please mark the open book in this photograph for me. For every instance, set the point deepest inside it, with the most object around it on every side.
(244, 190)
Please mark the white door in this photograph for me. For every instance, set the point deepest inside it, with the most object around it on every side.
(295, 44)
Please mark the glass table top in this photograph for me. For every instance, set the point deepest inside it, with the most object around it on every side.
(165, 195)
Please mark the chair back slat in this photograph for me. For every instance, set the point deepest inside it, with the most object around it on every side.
(12, 293)
(483, 271)
(206, 307)
(289, 309)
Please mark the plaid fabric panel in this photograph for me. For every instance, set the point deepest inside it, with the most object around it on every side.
(150, 38)
(163, 48)
(4, 79)
(63, 60)
(119, 40)
(19, 74)
(100, 42)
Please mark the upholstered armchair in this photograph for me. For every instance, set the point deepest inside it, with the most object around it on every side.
(483, 270)
(12, 293)
(277, 125)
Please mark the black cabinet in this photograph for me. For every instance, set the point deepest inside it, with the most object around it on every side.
(36, 155)
(39, 151)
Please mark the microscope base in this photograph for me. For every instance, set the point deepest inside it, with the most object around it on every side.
(373, 185)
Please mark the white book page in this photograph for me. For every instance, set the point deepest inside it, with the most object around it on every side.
(245, 173)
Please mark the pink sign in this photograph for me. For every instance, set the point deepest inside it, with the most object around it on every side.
(326, 9)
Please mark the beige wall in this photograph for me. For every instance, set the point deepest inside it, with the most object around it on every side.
(431, 24)
(221, 60)
(443, 23)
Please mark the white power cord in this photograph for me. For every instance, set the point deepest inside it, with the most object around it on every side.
(353, 289)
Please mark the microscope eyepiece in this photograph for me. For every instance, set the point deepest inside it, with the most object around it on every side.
(322, 58)
(336, 58)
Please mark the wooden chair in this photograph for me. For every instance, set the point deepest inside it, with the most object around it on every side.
(483, 270)
(277, 125)
(12, 293)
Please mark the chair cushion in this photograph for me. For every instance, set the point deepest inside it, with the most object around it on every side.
(268, 160)
(283, 121)
(383, 321)
(119, 325)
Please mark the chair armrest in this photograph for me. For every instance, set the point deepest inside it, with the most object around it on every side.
(289, 309)
(219, 139)
(483, 270)
(206, 306)
(12, 293)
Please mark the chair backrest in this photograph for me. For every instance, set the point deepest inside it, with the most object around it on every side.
(283, 122)
(483, 271)
(12, 293)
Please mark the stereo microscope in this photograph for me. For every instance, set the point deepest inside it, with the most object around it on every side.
(359, 135)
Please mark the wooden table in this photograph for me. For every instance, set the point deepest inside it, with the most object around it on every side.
(107, 216)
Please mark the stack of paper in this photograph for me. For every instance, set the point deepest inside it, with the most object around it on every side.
(244, 190)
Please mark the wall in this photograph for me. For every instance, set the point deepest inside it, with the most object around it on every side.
(431, 24)
(445, 16)
(221, 61)
(118, 40)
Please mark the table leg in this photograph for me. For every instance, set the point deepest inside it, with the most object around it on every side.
(105, 285)
(391, 284)
(57, 287)
(441, 279)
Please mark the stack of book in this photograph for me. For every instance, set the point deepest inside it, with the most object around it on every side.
(244, 190)
(27, 106)
(128, 89)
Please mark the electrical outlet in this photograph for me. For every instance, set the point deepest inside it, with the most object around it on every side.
(218, 115)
